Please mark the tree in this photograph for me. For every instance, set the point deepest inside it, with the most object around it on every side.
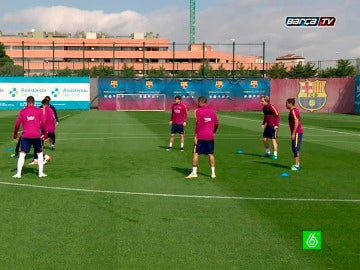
(101, 71)
(303, 71)
(254, 72)
(343, 68)
(82, 72)
(220, 72)
(183, 74)
(127, 72)
(277, 71)
(161, 72)
(67, 72)
(205, 69)
(7, 67)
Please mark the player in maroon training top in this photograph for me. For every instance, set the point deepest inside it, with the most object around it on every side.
(179, 117)
(270, 124)
(206, 125)
(296, 131)
(32, 121)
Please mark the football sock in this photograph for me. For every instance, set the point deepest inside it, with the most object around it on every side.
(41, 162)
(267, 151)
(182, 145)
(21, 161)
(275, 153)
(194, 170)
(170, 144)
(212, 170)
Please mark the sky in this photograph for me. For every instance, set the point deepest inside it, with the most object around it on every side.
(217, 22)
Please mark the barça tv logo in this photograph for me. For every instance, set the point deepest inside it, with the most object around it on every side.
(114, 84)
(219, 84)
(184, 85)
(149, 84)
(312, 95)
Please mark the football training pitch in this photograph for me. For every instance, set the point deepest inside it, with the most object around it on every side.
(115, 198)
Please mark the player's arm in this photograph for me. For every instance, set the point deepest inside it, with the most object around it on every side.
(185, 117)
(17, 126)
(172, 115)
(276, 115)
(263, 122)
(296, 121)
(56, 116)
(216, 123)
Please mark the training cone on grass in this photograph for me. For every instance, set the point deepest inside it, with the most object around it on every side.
(239, 152)
(284, 174)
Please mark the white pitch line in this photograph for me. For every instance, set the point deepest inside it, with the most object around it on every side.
(304, 126)
(62, 117)
(182, 195)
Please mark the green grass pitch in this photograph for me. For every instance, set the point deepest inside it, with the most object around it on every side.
(115, 198)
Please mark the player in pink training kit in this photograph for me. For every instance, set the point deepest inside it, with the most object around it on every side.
(207, 124)
(32, 120)
(179, 117)
(50, 124)
(296, 131)
(270, 124)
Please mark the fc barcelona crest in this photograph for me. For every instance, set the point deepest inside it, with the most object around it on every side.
(312, 95)
(114, 84)
(149, 84)
(184, 85)
(219, 84)
(254, 84)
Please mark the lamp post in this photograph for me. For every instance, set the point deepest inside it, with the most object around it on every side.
(28, 66)
(233, 58)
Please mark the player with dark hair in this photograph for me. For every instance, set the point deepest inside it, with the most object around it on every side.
(179, 117)
(52, 140)
(270, 124)
(32, 120)
(296, 131)
(207, 124)
(49, 132)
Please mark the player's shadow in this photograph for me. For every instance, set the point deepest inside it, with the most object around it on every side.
(249, 154)
(28, 170)
(277, 165)
(186, 171)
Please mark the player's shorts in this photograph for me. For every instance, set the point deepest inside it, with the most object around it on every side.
(204, 147)
(177, 128)
(26, 143)
(270, 132)
(296, 144)
(51, 135)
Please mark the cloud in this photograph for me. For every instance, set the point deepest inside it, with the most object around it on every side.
(67, 19)
(248, 21)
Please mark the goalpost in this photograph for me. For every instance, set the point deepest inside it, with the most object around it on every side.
(140, 102)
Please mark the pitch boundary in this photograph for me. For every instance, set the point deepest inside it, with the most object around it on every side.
(182, 195)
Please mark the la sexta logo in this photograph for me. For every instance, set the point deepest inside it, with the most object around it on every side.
(310, 21)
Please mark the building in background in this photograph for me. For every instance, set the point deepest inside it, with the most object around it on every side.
(46, 52)
(290, 60)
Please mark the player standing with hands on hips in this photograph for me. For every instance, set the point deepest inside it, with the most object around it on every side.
(179, 117)
(296, 131)
(270, 125)
(32, 120)
(206, 126)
